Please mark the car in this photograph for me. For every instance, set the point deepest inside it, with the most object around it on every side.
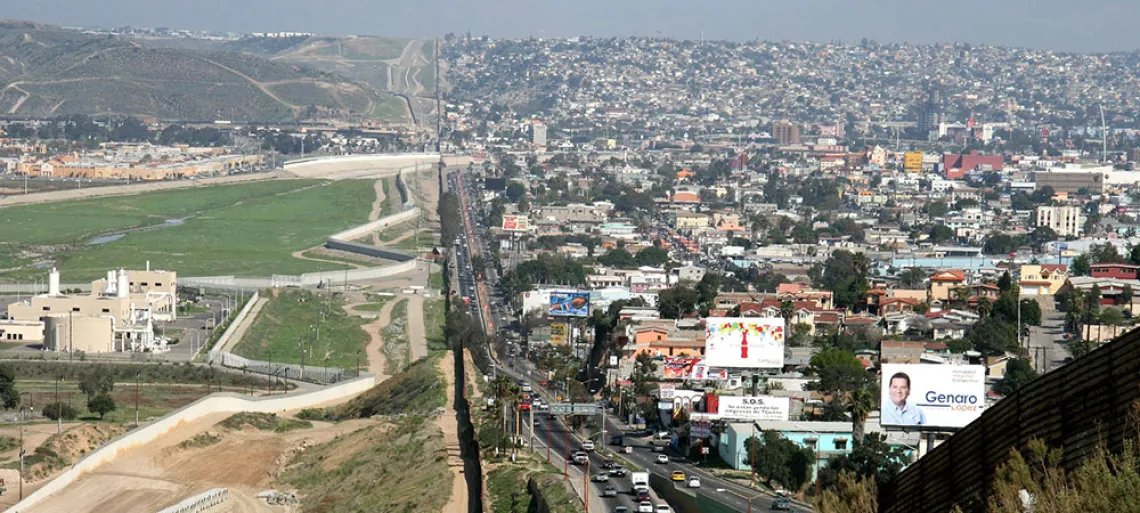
(580, 457)
(662, 459)
(662, 508)
(610, 491)
(627, 449)
(658, 448)
(617, 440)
(601, 478)
(621, 509)
(588, 445)
(645, 507)
(694, 482)
(608, 464)
(618, 471)
(678, 475)
(781, 505)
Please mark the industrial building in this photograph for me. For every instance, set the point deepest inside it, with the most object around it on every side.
(118, 315)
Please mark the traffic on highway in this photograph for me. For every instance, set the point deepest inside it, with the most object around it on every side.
(586, 460)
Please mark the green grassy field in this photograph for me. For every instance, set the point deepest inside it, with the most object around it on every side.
(155, 400)
(243, 229)
(288, 317)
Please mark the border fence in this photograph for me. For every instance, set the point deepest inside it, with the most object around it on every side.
(309, 373)
(1075, 408)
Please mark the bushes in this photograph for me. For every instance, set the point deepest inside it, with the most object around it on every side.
(54, 411)
(416, 391)
(123, 373)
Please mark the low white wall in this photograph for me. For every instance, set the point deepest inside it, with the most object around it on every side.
(200, 502)
(240, 318)
(371, 226)
(345, 166)
(224, 402)
(304, 280)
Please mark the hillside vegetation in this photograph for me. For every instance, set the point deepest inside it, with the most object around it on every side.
(49, 71)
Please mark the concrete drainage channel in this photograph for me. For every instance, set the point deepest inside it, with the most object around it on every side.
(468, 446)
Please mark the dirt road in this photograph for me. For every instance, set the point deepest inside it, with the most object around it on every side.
(376, 361)
(162, 473)
(240, 330)
(417, 334)
(457, 502)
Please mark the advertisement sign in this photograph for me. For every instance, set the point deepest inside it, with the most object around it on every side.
(558, 334)
(678, 367)
(700, 429)
(703, 372)
(932, 395)
(516, 224)
(570, 304)
(744, 342)
(912, 161)
(761, 407)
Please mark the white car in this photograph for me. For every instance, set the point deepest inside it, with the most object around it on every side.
(663, 508)
(588, 445)
(662, 459)
(694, 482)
(645, 507)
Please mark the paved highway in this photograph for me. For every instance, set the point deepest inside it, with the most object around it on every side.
(552, 432)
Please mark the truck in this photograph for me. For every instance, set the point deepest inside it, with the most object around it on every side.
(640, 481)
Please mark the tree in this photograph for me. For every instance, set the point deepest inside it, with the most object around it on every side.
(101, 404)
(1030, 312)
(1126, 297)
(677, 301)
(652, 256)
(1005, 282)
(1105, 253)
(779, 459)
(844, 274)
(937, 209)
(515, 191)
(912, 276)
(54, 411)
(1081, 265)
(1079, 346)
(862, 403)
(1018, 373)
(97, 381)
(505, 392)
(839, 371)
(768, 281)
(644, 369)
(618, 258)
(8, 392)
(993, 337)
(940, 233)
(870, 458)
(1111, 317)
(851, 494)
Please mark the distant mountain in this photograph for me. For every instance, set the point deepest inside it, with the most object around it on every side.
(47, 71)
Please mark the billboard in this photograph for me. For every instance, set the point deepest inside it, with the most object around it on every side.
(569, 304)
(912, 161)
(933, 395)
(762, 407)
(702, 372)
(558, 334)
(516, 224)
(744, 342)
(678, 367)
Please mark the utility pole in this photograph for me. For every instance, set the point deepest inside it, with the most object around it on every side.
(58, 408)
(532, 431)
(137, 378)
(301, 349)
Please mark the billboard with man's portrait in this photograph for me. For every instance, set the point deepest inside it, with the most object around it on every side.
(931, 395)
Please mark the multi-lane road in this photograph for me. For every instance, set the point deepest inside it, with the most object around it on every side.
(552, 432)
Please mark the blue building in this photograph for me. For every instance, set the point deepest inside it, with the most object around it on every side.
(826, 439)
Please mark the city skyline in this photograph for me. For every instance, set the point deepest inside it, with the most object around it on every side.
(1095, 26)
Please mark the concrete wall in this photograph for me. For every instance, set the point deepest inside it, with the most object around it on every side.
(224, 402)
(200, 502)
(122, 190)
(304, 280)
(368, 250)
(226, 339)
(358, 166)
(369, 227)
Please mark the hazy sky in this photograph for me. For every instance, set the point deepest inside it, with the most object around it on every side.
(1067, 25)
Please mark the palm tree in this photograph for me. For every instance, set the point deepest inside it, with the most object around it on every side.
(787, 310)
(862, 402)
(505, 391)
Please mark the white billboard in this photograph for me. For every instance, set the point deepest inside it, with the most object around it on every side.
(744, 342)
(949, 396)
(762, 407)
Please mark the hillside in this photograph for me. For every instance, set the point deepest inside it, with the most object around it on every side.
(405, 67)
(49, 71)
